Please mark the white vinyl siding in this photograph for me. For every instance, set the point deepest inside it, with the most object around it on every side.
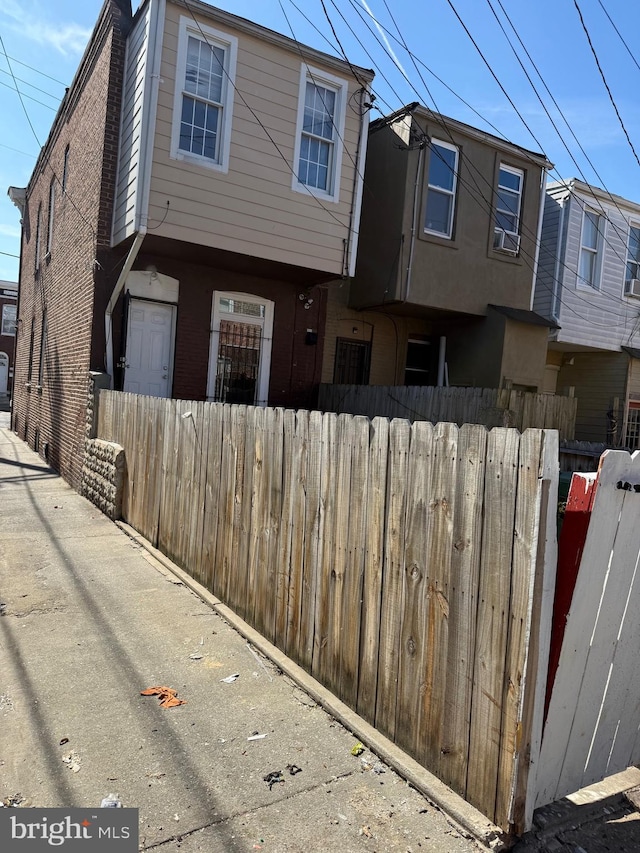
(203, 104)
(600, 318)
(129, 165)
(441, 188)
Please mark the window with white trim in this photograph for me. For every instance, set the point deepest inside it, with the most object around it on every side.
(319, 135)
(8, 319)
(633, 254)
(590, 240)
(204, 95)
(50, 216)
(506, 237)
(240, 348)
(441, 189)
(38, 225)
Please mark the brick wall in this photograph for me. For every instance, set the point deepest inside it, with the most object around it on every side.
(295, 364)
(70, 280)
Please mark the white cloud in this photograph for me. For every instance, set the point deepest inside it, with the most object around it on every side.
(9, 230)
(31, 24)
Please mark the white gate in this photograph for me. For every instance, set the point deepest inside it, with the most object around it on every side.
(592, 728)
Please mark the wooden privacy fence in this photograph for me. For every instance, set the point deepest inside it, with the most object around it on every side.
(402, 565)
(489, 406)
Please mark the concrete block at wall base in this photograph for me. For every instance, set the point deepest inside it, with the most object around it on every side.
(103, 476)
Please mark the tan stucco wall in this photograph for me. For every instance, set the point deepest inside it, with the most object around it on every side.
(524, 354)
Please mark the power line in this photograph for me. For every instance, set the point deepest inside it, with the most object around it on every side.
(619, 35)
(31, 85)
(17, 150)
(31, 68)
(29, 97)
(9, 255)
(485, 203)
(604, 80)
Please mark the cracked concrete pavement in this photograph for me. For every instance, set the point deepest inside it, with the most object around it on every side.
(89, 619)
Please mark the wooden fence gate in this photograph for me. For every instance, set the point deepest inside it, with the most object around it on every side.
(593, 722)
(408, 567)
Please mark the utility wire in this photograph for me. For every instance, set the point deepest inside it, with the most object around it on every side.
(262, 126)
(604, 80)
(9, 255)
(31, 68)
(29, 97)
(17, 150)
(619, 35)
(486, 203)
(31, 86)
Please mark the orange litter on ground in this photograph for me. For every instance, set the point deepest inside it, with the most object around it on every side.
(168, 696)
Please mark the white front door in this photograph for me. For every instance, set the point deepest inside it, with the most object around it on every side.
(4, 373)
(149, 351)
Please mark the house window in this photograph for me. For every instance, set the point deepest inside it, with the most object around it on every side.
(204, 95)
(506, 237)
(31, 345)
(351, 366)
(52, 201)
(37, 252)
(65, 169)
(320, 130)
(441, 191)
(633, 255)
(240, 349)
(588, 265)
(8, 319)
(43, 348)
(422, 362)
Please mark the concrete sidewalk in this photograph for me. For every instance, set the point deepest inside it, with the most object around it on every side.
(88, 620)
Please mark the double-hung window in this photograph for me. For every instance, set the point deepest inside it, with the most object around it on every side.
(633, 256)
(318, 154)
(589, 264)
(50, 216)
(8, 320)
(506, 236)
(441, 190)
(204, 95)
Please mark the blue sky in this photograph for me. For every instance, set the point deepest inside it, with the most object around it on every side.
(50, 35)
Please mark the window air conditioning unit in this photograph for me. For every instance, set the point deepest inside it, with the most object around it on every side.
(632, 287)
(506, 241)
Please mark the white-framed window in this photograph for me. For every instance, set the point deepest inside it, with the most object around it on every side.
(441, 188)
(590, 242)
(8, 319)
(506, 237)
(38, 236)
(240, 348)
(50, 215)
(322, 103)
(203, 102)
(632, 270)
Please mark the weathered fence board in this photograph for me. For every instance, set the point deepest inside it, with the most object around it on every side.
(489, 406)
(396, 562)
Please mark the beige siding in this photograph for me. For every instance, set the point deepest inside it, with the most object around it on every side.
(252, 209)
(634, 379)
(599, 380)
(127, 187)
(388, 336)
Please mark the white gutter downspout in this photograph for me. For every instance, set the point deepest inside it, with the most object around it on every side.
(414, 219)
(359, 185)
(156, 32)
(117, 290)
(543, 192)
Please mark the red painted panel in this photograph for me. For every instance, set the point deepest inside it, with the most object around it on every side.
(570, 547)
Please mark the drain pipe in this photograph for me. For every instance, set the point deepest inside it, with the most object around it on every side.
(117, 290)
(442, 364)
